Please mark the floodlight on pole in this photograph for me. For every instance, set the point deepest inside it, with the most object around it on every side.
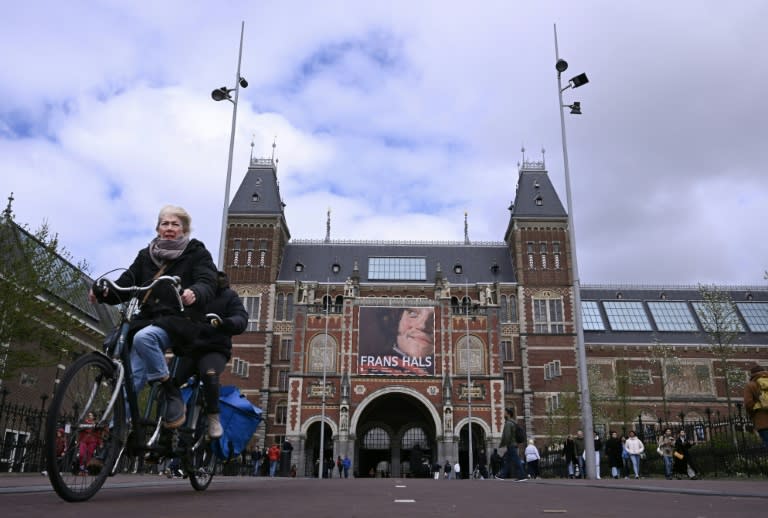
(222, 94)
(581, 355)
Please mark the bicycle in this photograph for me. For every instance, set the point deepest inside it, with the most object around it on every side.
(100, 383)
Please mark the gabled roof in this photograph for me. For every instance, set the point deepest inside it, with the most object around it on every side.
(317, 258)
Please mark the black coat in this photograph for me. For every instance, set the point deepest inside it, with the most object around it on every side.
(229, 307)
(197, 272)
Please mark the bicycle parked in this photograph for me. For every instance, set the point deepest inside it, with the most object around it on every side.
(101, 383)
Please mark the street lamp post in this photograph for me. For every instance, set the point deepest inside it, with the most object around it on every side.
(321, 469)
(469, 388)
(221, 94)
(586, 403)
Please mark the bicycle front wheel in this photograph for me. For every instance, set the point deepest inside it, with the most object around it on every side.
(82, 434)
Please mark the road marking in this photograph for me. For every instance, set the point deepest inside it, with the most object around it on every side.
(401, 485)
(405, 501)
(554, 510)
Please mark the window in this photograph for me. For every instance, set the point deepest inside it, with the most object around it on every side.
(529, 249)
(281, 413)
(282, 380)
(376, 439)
(548, 316)
(249, 253)
(590, 316)
(286, 345)
(509, 382)
(626, 316)
(252, 307)
(755, 314)
(507, 351)
(412, 437)
(553, 403)
(672, 316)
(289, 306)
(552, 370)
(556, 254)
(397, 269)
(543, 254)
(236, 253)
(280, 307)
(239, 367)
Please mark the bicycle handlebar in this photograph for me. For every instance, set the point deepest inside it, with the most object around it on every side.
(138, 290)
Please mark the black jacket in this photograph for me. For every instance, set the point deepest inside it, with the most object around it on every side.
(197, 272)
(229, 307)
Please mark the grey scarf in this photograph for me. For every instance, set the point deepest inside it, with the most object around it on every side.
(164, 250)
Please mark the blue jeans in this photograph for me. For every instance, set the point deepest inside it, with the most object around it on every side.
(511, 458)
(272, 468)
(667, 466)
(635, 459)
(148, 356)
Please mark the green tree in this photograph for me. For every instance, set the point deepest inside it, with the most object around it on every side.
(39, 287)
(721, 323)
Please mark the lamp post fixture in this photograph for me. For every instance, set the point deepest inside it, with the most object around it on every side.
(586, 403)
(221, 94)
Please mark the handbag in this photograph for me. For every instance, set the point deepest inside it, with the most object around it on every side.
(678, 455)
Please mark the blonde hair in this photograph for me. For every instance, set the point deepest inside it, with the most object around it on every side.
(179, 212)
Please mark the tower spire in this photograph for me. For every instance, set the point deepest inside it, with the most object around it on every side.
(253, 138)
(8, 212)
(466, 229)
(328, 227)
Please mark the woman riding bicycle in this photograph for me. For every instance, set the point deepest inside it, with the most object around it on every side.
(160, 324)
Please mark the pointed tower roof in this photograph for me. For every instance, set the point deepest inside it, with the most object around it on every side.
(259, 192)
(535, 196)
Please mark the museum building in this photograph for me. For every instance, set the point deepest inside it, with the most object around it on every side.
(404, 347)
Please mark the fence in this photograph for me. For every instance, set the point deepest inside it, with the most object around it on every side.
(725, 447)
(22, 429)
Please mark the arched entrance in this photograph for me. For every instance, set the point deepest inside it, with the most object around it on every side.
(396, 437)
(312, 448)
(478, 448)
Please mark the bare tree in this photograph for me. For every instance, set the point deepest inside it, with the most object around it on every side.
(721, 323)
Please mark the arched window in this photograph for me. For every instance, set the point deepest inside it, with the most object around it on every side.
(279, 307)
(376, 439)
(322, 349)
(476, 354)
(414, 437)
(289, 306)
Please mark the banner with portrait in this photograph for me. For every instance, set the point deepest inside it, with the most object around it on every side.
(396, 341)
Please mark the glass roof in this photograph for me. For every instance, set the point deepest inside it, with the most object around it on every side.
(672, 316)
(725, 316)
(626, 316)
(590, 316)
(755, 314)
(397, 269)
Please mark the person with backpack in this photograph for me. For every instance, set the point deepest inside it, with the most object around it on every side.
(756, 400)
(510, 438)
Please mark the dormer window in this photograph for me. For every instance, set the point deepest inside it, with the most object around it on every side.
(458, 269)
(336, 268)
(255, 197)
(299, 267)
(539, 201)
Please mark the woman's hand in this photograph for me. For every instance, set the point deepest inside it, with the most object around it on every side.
(188, 297)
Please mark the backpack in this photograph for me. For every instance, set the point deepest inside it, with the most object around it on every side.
(762, 399)
(520, 435)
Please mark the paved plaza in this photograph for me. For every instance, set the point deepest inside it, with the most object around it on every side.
(231, 497)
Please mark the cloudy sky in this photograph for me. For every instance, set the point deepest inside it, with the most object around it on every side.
(399, 116)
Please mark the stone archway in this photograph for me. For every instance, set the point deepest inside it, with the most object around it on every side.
(396, 430)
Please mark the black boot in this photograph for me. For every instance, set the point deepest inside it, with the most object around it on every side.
(175, 410)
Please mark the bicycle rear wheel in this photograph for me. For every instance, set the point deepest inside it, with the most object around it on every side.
(79, 454)
(201, 460)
